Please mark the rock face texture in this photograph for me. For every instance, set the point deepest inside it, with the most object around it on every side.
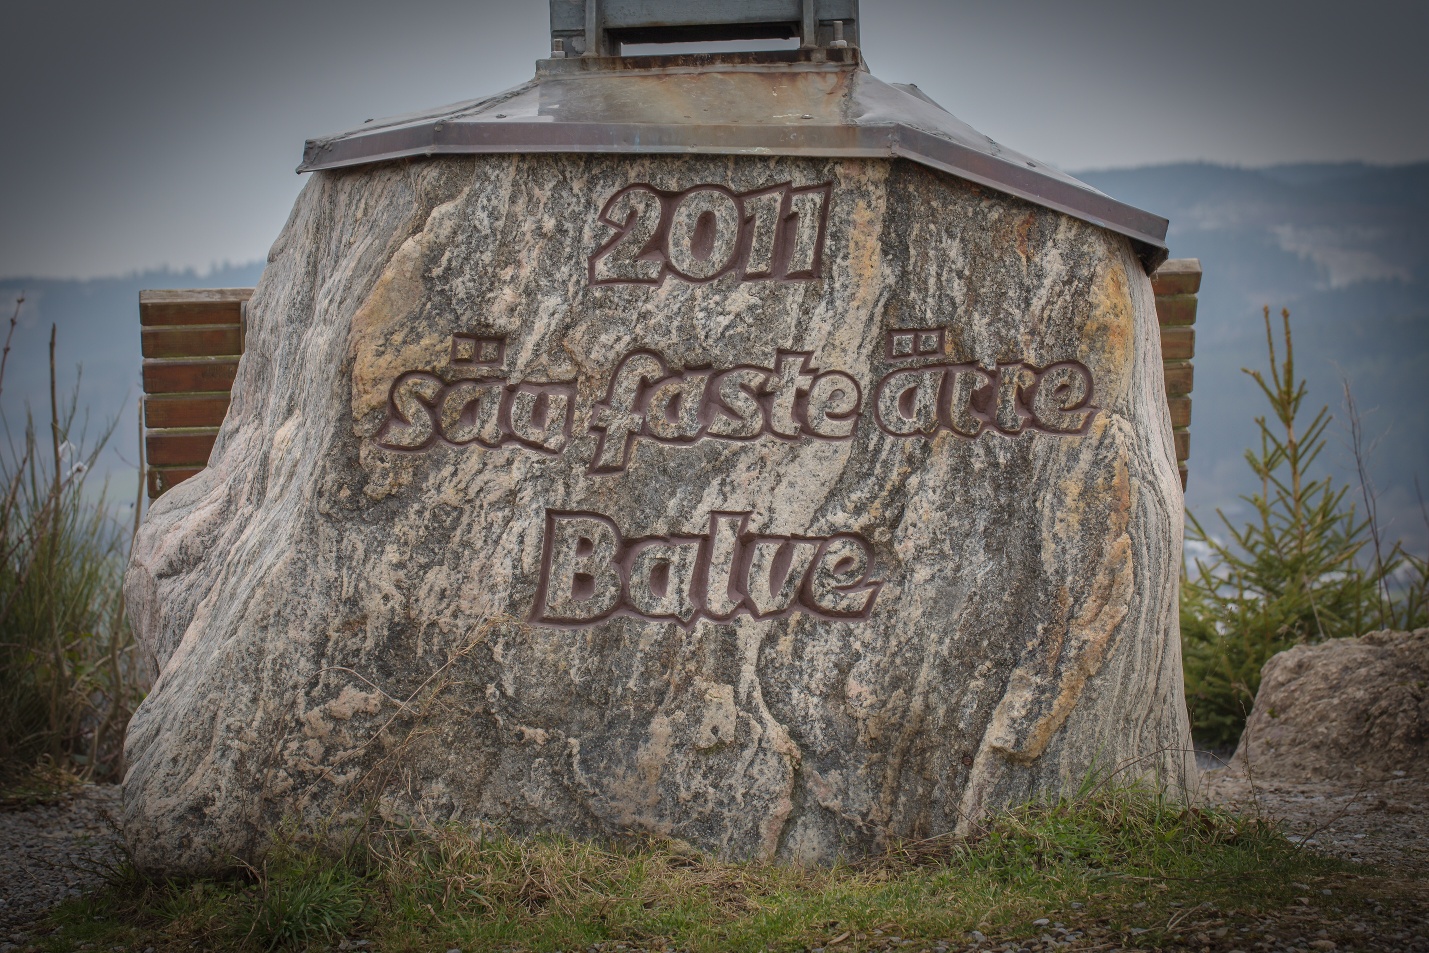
(1348, 710)
(783, 506)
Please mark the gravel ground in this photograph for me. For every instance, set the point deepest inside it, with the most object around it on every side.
(51, 852)
(1386, 825)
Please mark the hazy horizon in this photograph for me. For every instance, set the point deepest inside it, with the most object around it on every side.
(201, 271)
(162, 132)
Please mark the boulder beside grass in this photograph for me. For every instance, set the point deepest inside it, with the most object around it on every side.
(1346, 710)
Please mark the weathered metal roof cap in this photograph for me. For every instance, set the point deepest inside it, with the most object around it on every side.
(819, 100)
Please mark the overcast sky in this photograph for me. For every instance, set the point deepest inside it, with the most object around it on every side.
(165, 132)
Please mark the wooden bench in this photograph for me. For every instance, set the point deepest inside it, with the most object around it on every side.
(192, 341)
(1177, 283)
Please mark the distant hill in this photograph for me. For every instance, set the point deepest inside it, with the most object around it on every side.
(1342, 245)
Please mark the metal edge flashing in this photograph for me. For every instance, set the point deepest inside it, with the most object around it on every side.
(903, 125)
(598, 137)
(1146, 230)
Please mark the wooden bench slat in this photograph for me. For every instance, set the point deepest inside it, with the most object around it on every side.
(1178, 276)
(183, 377)
(166, 478)
(192, 306)
(186, 313)
(1178, 344)
(167, 411)
(171, 295)
(1176, 310)
(1180, 377)
(171, 448)
(192, 341)
(1183, 445)
(1180, 411)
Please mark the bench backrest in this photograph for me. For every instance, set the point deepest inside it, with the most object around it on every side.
(1176, 284)
(191, 341)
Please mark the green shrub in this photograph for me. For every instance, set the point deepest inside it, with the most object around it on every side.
(68, 678)
(1301, 570)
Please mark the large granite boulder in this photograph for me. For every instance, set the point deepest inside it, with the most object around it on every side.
(782, 506)
(1346, 710)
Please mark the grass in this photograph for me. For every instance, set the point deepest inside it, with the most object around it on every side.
(1120, 863)
(46, 784)
(69, 675)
